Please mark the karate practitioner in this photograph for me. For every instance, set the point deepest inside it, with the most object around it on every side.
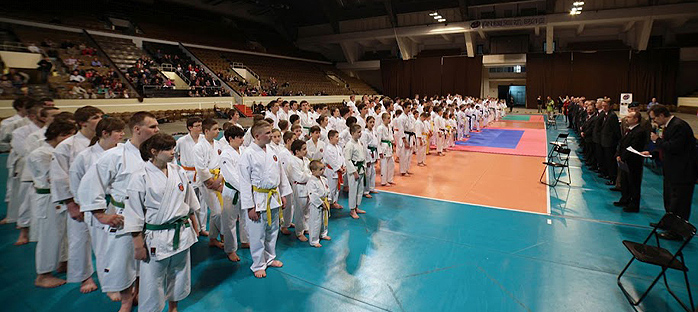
(263, 185)
(110, 175)
(355, 159)
(299, 173)
(370, 141)
(80, 267)
(319, 206)
(316, 146)
(385, 150)
(285, 155)
(160, 215)
(422, 132)
(207, 161)
(50, 217)
(184, 153)
(333, 158)
(231, 194)
(6, 127)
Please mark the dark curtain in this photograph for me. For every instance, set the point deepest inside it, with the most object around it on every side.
(547, 74)
(653, 74)
(599, 74)
(431, 76)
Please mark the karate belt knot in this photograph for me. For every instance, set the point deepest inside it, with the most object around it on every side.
(190, 169)
(390, 143)
(373, 150)
(42, 191)
(340, 178)
(175, 224)
(410, 135)
(216, 173)
(270, 192)
(237, 193)
(325, 212)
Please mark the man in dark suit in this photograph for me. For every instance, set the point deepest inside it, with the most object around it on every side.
(680, 163)
(587, 130)
(631, 163)
(598, 148)
(610, 135)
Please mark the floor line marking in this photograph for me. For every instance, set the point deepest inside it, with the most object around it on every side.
(399, 304)
(504, 289)
(433, 271)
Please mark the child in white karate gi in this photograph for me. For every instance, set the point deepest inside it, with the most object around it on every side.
(385, 150)
(298, 175)
(319, 206)
(355, 159)
(231, 194)
(333, 158)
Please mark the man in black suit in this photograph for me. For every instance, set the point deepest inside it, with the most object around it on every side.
(598, 148)
(631, 163)
(587, 130)
(680, 163)
(610, 135)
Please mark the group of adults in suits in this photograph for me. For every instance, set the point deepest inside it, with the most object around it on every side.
(606, 140)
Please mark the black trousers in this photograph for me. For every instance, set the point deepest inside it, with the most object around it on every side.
(609, 158)
(600, 163)
(630, 186)
(678, 197)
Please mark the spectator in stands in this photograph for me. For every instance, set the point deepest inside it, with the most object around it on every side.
(124, 94)
(76, 77)
(5, 85)
(44, 68)
(96, 62)
(90, 94)
(652, 103)
(33, 48)
(77, 91)
(71, 63)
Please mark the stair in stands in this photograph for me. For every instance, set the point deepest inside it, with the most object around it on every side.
(245, 110)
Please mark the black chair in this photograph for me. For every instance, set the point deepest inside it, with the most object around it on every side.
(659, 256)
(562, 163)
(560, 141)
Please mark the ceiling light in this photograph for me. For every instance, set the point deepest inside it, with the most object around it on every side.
(438, 17)
(441, 20)
(578, 3)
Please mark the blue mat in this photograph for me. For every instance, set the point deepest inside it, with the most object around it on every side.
(499, 138)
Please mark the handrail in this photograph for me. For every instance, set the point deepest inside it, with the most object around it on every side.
(118, 72)
(243, 66)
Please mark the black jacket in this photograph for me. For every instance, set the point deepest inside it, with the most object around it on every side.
(610, 130)
(679, 150)
(597, 127)
(637, 138)
(588, 128)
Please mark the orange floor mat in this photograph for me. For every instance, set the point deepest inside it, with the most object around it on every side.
(502, 181)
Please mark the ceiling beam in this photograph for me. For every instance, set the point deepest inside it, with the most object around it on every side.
(628, 26)
(481, 33)
(447, 38)
(644, 34)
(469, 44)
(549, 39)
(580, 29)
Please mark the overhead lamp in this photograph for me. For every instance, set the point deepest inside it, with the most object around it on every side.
(578, 3)
(433, 14)
(438, 17)
(441, 20)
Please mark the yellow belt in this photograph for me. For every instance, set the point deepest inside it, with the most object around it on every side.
(325, 212)
(216, 173)
(270, 193)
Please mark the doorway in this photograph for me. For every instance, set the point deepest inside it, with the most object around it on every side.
(517, 92)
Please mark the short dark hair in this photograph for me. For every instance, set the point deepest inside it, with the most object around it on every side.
(283, 124)
(159, 142)
(138, 118)
(192, 120)
(360, 106)
(320, 119)
(233, 132)
(296, 146)
(58, 128)
(107, 124)
(315, 164)
(20, 102)
(33, 106)
(314, 129)
(44, 111)
(332, 133)
(83, 114)
(293, 118)
(288, 135)
(343, 111)
(208, 123)
(66, 116)
(351, 121)
(354, 128)
(256, 128)
(659, 109)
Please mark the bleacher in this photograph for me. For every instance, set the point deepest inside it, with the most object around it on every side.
(123, 52)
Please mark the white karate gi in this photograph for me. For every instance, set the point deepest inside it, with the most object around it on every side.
(33, 141)
(23, 195)
(298, 175)
(274, 117)
(385, 150)
(116, 267)
(315, 150)
(400, 146)
(261, 168)
(344, 137)
(422, 134)
(7, 126)
(306, 121)
(284, 157)
(318, 189)
(207, 157)
(157, 199)
(79, 248)
(333, 158)
(370, 141)
(231, 200)
(184, 152)
(50, 217)
(355, 159)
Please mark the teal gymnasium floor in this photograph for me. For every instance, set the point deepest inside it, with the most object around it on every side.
(415, 254)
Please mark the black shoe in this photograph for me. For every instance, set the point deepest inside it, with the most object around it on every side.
(628, 209)
(615, 189)
(610, 182)
(620, 204)
(670, 236)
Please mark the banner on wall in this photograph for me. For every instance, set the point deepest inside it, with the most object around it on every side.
(626, 98)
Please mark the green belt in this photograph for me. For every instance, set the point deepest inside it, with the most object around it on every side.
(359, 165)
(387, 142)
(372, 148)
(175, 224)
(42, 191)
(115, 203)
(237, 193)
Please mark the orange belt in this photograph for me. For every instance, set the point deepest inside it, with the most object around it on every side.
(340, 179)
(190, 169)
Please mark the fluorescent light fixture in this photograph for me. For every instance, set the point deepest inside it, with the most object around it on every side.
(438, 17)
(441, 20)
(433, 14)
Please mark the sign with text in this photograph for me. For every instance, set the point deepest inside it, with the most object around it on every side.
(509, 22)
(626, 98)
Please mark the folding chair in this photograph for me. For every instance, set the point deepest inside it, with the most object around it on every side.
(560, 141)
(662, 257)
(563, 155)
(552, 123)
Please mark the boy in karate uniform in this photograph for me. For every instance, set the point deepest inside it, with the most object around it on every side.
(263, 185)
(333, 158)
(422, 131)
(370, 141)
(50, 217)
(207, 153)
(160, 215)
(184, 153)
(385, 150)
(298, 175)
(80, 268)
(316, 146)
(110, 175)
(319, 205)
(284, 152)
(231, 194)
(355, 156)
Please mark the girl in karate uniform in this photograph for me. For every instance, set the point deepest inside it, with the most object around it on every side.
(298, 175)
(318, 194)
(160, 215)
(370, 141)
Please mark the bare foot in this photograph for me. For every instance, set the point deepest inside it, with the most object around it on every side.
(276, 264)
(203, 233)
(302, 238)
(292, 225)
(88, 285)
(244, 246)
(285, 231)
(392, 183)
(114, 296)
(48, 281)
(21, 241)
(368, 196)
(360, 211)
(260, 274)
(62, 267)
(316, 245)
(373, 192)
(383, 184)
(353, 214)
(215, 243)
(233, 257)
(4, 221)
(326, 237)
(336, 206)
